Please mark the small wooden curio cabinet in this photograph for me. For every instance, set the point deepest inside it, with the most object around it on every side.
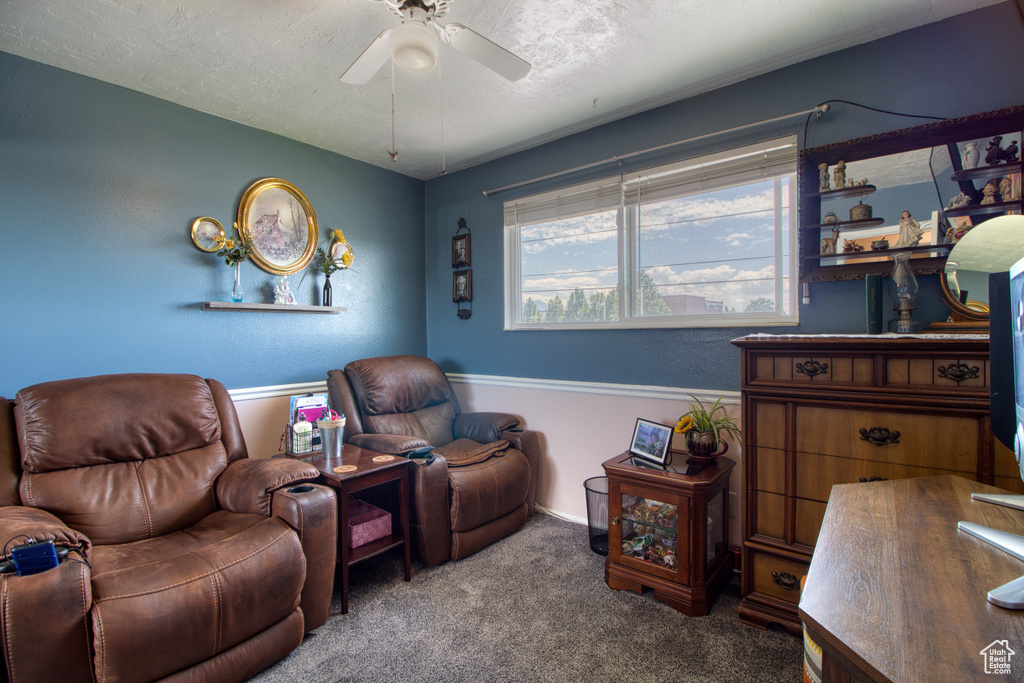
(669, 531)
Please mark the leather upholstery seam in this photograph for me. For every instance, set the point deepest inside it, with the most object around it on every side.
(145, 501)
(218, 614)
(198, 577)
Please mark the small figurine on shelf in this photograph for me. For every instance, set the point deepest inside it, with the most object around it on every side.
(990, 190)
(994, 153)
(910, 231)
(823, 178)
(960, 200)
(839, 175)
(828, 244)
(852, 247)
(283, 293)
(1006, 192)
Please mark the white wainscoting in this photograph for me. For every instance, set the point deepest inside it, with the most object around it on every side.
(581, 424)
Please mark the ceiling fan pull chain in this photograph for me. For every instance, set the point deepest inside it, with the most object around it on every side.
(394, 149)
(440, 90)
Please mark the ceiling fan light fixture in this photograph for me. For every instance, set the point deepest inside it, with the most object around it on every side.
(414, 46)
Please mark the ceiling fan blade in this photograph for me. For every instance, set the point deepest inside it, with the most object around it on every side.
(490, 54)
(370, 62)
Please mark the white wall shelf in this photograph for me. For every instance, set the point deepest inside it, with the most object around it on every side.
(275, 308)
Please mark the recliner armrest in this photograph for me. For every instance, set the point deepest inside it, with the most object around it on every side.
(60, 598)
(388, 443)
(312, 510)
(34, 525)
(483, 427)
(247, 485)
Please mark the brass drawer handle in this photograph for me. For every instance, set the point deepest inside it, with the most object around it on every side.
(615, 521)
(786, 581)
(958, 372)
(865, 480)
(879, 436)
(812, 368)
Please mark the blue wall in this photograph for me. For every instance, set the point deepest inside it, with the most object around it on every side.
(99, 188)
(952, 68)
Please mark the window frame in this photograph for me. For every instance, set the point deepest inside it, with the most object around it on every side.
(628, 235)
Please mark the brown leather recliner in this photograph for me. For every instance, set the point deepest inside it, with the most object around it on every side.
(396, 404)
(186, 558)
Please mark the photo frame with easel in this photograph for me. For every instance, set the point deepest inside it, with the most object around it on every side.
(650, 442)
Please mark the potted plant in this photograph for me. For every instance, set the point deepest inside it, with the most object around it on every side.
(703, 428)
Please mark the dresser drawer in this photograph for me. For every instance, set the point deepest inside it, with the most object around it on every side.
(817, 474)
(939, 442)
(778, 577)
(772, 525)
(813, 369)
(943, 375)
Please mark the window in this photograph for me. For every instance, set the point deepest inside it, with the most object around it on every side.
(706, 242)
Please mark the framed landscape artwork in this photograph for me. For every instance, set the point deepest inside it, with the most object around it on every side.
(279, 222)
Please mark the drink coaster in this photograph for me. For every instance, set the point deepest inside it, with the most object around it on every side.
(342, 469)
(383, 458)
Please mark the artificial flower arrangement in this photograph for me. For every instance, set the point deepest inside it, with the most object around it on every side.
(337, 256)
(326, 261)
(700, 420)
(233, 250)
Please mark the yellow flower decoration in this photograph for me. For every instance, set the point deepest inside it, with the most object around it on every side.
(684, 424)
(346, 258)
(338, 236)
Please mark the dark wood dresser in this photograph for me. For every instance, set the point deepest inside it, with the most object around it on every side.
(825, 410)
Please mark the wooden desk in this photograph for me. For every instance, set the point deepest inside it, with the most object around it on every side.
(366, 475)
(896, 592)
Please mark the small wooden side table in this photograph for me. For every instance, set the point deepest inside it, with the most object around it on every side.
(370, 469)
(669, 531)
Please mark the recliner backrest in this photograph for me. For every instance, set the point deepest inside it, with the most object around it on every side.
(405, 395)
(123, 458)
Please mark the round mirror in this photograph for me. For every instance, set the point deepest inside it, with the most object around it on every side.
(989, 247)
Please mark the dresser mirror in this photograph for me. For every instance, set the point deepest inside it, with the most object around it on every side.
(919, 190)
(990, 247)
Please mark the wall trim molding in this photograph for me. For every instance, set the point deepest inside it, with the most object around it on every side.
(572, 386)
(604, 388)
(253, 393)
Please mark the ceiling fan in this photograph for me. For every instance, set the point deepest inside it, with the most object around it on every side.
(415, 43)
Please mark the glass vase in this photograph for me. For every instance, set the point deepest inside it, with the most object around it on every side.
(236, 292)
(326, 301)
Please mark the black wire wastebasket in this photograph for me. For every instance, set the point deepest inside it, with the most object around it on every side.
(597, 513)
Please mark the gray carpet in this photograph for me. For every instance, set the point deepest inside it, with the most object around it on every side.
(532, 608)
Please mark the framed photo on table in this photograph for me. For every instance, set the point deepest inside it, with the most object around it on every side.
(651, 441)
(462, 286)
(279, 222)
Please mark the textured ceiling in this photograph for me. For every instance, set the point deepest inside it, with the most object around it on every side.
(274, 64)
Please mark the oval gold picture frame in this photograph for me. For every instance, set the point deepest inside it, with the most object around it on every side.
(278, 221)
(205, 232)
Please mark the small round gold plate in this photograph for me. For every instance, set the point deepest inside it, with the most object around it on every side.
(383, 458)
(342, 469)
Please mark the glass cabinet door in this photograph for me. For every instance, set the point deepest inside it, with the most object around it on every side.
(716, 528)
(653, 533)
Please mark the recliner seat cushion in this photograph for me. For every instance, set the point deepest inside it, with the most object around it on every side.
(487, 490)
(185, 597)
